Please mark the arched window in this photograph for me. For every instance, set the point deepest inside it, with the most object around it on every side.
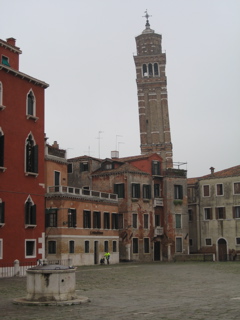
(31, 104)
(30, 212)
(156, 71)
(2, 205)
(1, 94)
(150, 69)
(31, 155)
(1, 148)
(144, 70)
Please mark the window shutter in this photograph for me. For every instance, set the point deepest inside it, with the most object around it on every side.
(33, 214)
(26, 212)
(35, 159)
(47, 218)
(1, 150)
(74, 218)
(81, 167)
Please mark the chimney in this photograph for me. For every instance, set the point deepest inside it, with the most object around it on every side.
(11, 41)
(212, 171)
(55, 145)
(114, 154)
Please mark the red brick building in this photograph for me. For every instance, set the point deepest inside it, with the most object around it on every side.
(21, 160)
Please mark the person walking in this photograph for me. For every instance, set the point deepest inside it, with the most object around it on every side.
(107, 256)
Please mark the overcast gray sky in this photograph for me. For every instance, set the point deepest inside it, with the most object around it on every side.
(84, 50)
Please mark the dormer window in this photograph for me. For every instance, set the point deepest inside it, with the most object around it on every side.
(5, 61)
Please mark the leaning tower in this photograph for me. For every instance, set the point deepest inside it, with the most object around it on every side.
(151, 80)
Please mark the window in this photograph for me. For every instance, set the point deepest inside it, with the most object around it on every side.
(144, 70)
(236, 212)
(135, 245)
(5, 61)
(1, 97)
(145, 221)
(31, 155)
(114, 246)
(146, 191)
(30, 212)
(96, 220)
(207, 213)
(220, 213)
(208, 241)
(52, 247)
(1, 148)
(72, 218)
(31, 108)
(146, 245)
(190, 215)
(219, 189)
(71, 246)
(56, 181)
(179, 244)
(190, 242)
(114, 221)
(51, 218)
(30, 248)
(106, 220)
(236, 188)
(206, 190)
(2, 206)
(86, 219)
(178, 220)
(119, 190)
(105, 246)
(134, 220)
(157, 220)
(150, 69)
(135, 190)
(70, 168)
(86, 247)
(155, 69)
(178, 192)
(238, 241)
(157, 192)
(155, 168)
(84, 166)
(1, 248)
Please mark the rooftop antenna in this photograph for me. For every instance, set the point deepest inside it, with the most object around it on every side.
(117, 135)
(99, 137)
(119, 144)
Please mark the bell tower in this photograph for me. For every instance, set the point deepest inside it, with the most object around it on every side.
(151, 81)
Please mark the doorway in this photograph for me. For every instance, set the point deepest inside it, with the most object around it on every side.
(222, 250)
(96, 253)
(157, 251)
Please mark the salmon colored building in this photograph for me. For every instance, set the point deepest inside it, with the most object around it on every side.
(22, 187)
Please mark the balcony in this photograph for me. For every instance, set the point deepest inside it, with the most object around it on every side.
(158, 202)
(158, 231)
(81, 193)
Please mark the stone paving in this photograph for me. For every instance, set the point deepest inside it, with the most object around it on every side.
(203, 290)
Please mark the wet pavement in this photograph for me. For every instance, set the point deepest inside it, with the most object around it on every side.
(203, 290)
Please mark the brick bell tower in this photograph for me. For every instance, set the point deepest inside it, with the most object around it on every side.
(151, 81)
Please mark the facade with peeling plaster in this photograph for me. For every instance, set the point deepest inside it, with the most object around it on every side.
(80, 223)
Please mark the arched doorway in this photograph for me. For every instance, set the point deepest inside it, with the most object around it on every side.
(222, 250)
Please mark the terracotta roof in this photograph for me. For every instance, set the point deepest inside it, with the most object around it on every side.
(126, 167)
(84, 158)
(139, 157)
(229, 172)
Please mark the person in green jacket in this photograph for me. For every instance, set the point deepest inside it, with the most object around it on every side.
(107, 256)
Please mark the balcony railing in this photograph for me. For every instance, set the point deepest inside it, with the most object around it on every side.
(82, 192)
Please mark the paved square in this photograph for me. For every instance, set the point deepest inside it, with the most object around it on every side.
(203, 290)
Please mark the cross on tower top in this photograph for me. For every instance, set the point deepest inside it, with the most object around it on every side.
(147, 16)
